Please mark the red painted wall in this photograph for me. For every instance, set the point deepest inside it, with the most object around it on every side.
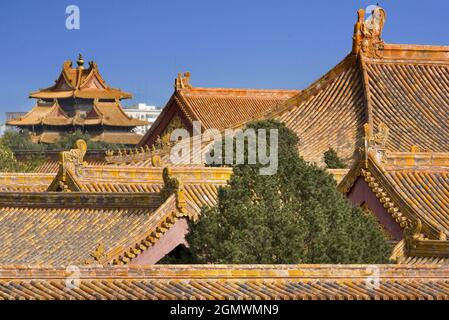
(170, 240)
(361, 193)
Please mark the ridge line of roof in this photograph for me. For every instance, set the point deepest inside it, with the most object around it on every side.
(314, 87)
(319, 271)
(366, 90)
(167, 210)
(252, 90)
(415, 47)
(75, 200)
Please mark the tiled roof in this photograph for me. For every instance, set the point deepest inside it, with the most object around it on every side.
(117, 208)
(406, 254)
(95, 175)
(43, 113)
(228, 282)
(421, 190)
(68, 228)
(402, 86)
(199, 183)
(80, 83)
(415, 192)
(52, 165)
(412, 187)
(226, 108)
(46, 136)
(412, 98)
(86, 84)
(413, 260)
(329, 114)
(216, 108)
(425, 190)
(110, 114)
(127, 138)
(25, 182)
(102, 114)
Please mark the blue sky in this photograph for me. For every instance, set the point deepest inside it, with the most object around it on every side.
(140, 46)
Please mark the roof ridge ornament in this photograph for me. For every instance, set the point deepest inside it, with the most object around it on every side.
(80, 61)
(123, 156)
(413, 233)
(368, 32)
(183, 81)
(74, 158)
(66, 65)
(98, 255)
(375, 143)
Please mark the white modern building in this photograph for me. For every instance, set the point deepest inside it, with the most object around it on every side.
(143, 112)
(9, 116)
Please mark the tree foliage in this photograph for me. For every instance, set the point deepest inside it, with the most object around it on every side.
(9, 163)
(68, 141)
(332, 160)
(294, 216)
(11, 142)
(21, 141)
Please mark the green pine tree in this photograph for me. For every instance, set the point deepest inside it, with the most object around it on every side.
(332, 160)
(293, 216)
(21, 141)
(9, 163)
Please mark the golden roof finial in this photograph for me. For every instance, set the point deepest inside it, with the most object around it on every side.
(80, 61)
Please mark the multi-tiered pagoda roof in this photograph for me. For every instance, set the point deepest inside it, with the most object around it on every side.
(79, 99)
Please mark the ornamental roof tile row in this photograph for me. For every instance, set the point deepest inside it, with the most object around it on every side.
(227, 282)
(25, 182)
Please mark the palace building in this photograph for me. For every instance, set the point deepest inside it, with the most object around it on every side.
(384, 109)
(214, 108)
(403, 86)
(79, 99)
